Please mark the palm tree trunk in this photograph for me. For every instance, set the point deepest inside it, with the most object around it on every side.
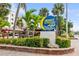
(33, 32)
(16, 16)
(25, 7)
(57, 28)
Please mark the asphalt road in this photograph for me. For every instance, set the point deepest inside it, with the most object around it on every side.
(75, 44)
(17, 53)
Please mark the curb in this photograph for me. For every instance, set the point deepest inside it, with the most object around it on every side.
(50, 51)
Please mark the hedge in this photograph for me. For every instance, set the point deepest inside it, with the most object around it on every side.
(63, 42)
(30, 42)
(5, 41)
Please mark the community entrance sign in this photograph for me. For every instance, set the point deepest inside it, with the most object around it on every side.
(48, 28)
(48, 23)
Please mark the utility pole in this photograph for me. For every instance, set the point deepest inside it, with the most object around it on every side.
(67, 20)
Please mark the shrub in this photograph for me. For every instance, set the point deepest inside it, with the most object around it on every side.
(63, 42)
(19, 42)
(33, 42)
(2, 41)
(71, 34)
(58, 40)
(63, 35)
(30, 41)
(45, 42)
(5, 41)
(37, 42)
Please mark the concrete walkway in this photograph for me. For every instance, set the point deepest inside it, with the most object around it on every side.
(75, 43)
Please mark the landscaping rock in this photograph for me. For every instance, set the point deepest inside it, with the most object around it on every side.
(53, 46)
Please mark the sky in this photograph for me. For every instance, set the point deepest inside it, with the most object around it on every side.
(73, 11)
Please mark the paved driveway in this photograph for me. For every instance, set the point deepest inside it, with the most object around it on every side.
(75, 43)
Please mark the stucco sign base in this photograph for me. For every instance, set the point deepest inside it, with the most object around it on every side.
(49, 34)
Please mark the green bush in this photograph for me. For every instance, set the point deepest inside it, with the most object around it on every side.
(13, 41)
(63, 35)
(45, 42)
(58, 40)
(5, 41)
(63, 42)
(33, 42)
(19, 42)
(71, 34)
(30, 42)
(37, 42)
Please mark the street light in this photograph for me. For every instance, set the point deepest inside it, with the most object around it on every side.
(67, 20)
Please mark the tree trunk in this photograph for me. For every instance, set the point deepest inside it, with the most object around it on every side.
(33, 32)
(16, 16)
(25, 12)
(57, 26)
(25, 8)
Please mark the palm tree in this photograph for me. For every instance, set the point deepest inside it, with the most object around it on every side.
(20, 23)
(20, 5)
(28, 17)
(57, 11)
(43, 12)
(36, 19)
(61, 25)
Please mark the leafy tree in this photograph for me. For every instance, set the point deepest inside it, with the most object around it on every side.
(61, 25)
(3, 23)
(70, 25)
(4, 9)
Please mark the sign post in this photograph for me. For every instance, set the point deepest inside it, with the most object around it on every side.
(48, 25)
